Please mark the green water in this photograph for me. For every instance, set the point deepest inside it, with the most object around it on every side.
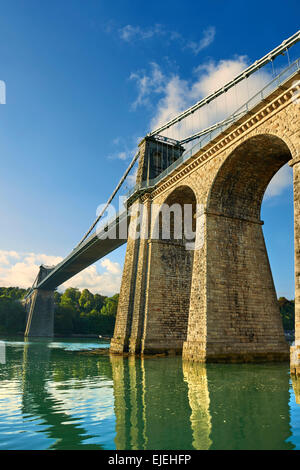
(52, 397)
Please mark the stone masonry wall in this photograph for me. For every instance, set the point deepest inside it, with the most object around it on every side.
(168, 296)
(119, 342)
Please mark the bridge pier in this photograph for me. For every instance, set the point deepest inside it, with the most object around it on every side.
(238, 320)
(120, 341)
(40, 308)
(40, 317)
(295, 349)
(154, 298)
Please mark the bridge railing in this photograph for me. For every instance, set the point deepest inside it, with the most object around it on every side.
(267, 90)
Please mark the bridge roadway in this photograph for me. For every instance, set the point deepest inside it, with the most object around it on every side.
(94, 248)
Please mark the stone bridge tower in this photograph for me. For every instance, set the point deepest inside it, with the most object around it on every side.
(40, 308)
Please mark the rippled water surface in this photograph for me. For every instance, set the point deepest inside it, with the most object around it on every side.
(54, 397)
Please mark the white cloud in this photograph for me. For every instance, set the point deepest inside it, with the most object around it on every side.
(122, 155)
(5, 257)
(105, 283)
(207, 39)
(112, 267)
(130, 33)
(131, 178)
(176, 98)
(21, 269)
(279, 182)
(125, 148)
(148, 84)
(179, 94)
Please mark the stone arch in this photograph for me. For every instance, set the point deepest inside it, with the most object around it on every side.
(239, 185)
(175, 218)
(169, 276)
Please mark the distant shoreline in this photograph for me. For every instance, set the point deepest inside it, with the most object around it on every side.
(83, 336)
(77, 335)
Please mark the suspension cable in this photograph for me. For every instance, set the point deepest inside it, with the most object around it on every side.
(283, 47)
(248, 71)
(135, 158)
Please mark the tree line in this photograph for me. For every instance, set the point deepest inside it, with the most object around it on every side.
(81, 312)
(76, 312)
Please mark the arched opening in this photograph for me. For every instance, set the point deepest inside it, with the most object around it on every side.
(277, 212)
(243, 318)
(241, 182)
(170, 261)
(176, 219)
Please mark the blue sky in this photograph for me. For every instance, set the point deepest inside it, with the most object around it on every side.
(84, 81)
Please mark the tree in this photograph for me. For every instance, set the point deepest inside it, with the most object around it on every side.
(110, 306)
(86, 300)
(70, 298)
(12, 316)
(99, 301)
(64, 319)
(287, 311)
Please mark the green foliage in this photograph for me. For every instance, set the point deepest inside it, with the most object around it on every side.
(64, 319)
(84, 313)
(70, 298)
(13, 293)
(12, 311)
(110, 306)
(86, 301)
(75, 312)
(12, 316)
(287, 311)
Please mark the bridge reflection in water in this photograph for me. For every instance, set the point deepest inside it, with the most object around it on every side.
(151, 404)
(95, 402)
(167, 404)
(49, 378)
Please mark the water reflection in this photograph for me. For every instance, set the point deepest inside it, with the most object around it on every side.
(239, 406)
(52, 398)
(296, 388)
(55, 398)
(60, 428)
(161, 405)
(151, 404)
(196, 377)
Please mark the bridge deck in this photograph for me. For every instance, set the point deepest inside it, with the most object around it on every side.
(94, 248)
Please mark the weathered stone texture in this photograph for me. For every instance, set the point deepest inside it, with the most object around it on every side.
(168, 296)
(119, 342)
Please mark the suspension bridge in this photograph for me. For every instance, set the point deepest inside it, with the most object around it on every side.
(164, 160)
